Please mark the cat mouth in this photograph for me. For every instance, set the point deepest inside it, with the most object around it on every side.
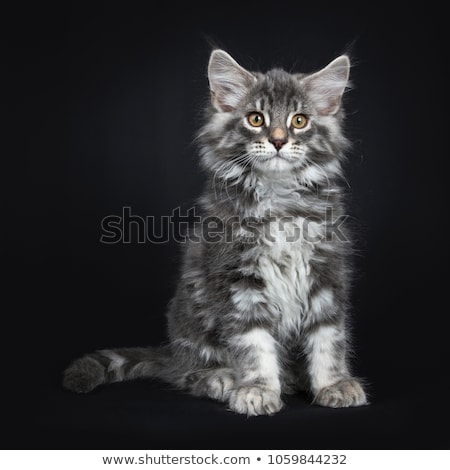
(278, 155)
(272, 156)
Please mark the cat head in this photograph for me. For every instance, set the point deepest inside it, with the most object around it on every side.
(274, 123)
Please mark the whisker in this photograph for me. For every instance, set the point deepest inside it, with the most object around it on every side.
(346, 181)
(221, 178)
(324, 173)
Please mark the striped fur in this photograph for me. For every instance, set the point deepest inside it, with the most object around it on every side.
(262, 312)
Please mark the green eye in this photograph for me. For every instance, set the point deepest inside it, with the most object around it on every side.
(255, 119)
(299, 121)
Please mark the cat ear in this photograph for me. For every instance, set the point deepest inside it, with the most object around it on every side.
(228, 81)
(326, 87)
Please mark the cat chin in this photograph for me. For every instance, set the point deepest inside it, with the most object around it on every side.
(277, 164)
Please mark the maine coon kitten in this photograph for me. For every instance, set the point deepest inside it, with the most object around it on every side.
(261, 310)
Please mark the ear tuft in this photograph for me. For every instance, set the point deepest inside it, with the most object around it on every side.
(327, 86)
(228, 81)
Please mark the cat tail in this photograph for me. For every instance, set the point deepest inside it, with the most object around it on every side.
(116, 365)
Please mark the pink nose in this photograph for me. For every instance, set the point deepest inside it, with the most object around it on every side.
(278, 143)
(278, 137)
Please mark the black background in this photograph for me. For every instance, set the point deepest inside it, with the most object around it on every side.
(104, 102)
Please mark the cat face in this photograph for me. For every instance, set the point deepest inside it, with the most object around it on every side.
(275, 122)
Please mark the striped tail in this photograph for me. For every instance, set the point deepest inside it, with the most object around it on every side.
(115, 365)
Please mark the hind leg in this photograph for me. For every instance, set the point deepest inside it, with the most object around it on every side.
(213, 383)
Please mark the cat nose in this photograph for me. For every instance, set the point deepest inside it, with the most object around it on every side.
(278, 143)
(278, 138)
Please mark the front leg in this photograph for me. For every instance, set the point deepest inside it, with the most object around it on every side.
(258, 388)
(330, 380)
(253, 350)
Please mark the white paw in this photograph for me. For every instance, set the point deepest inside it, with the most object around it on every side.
(342, 394)
(252, 400)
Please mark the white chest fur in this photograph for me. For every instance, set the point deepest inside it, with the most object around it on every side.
(285, 266)
(285, 247)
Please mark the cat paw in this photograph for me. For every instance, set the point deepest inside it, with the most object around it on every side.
(220, 385)
(341, 395)
(216, 384)
(252, 400)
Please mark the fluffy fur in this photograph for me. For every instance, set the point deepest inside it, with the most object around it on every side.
(260, 312)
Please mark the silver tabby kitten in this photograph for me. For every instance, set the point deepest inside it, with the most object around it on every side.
(261, 310)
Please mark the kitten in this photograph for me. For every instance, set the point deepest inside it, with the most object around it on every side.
(261, 312)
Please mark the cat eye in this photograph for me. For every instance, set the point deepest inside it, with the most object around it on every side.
(299, 121)
(255, 119)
